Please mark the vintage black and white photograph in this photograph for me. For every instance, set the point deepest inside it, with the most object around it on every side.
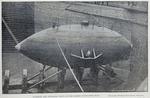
(74, 46)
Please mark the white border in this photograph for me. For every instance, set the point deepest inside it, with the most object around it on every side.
(74, 95)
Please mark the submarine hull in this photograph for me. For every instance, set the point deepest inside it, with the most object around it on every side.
(43, 46)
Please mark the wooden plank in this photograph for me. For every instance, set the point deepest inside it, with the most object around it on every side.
(6, 82)
(24, 81)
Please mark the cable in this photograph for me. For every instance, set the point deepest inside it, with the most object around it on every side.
(10, 32)
(69, 66)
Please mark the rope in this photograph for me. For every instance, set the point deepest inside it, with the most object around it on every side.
(10, 32)
(69, 66)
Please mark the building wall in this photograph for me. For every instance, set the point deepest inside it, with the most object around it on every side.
(19, 16)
